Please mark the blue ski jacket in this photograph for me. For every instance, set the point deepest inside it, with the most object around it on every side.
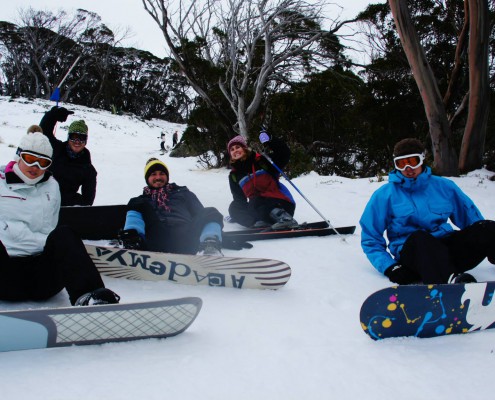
(406, 205)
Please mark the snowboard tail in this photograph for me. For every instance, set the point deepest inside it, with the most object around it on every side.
(233, 272)
(429, 310)
(94, 222)
(87, 325)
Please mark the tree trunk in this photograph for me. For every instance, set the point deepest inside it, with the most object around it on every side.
(444, 154)
(473, 140)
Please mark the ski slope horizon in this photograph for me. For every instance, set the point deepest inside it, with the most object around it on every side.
(304, 340)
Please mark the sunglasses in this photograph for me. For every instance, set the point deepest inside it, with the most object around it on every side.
(32, 159)
(410, 160)
(78, 137)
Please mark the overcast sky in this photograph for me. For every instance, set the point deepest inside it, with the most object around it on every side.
(131, 14)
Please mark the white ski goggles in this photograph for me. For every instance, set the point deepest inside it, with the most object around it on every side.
(32, 159)
(410, 160)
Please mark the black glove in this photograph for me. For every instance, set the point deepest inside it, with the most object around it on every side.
(233, 244)
(60, 113)
(131, 240)
(401, 275)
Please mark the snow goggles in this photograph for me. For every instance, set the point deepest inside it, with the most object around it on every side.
(410, 160)
(32, 159)
(78, 137)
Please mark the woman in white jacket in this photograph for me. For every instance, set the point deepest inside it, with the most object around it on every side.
(37, 258)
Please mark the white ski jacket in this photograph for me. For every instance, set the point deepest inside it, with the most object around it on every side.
(28, 213)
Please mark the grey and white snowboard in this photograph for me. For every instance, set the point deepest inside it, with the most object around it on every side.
(233, 272)
(59, 327)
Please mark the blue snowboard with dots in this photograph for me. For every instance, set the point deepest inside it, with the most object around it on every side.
(429, 310)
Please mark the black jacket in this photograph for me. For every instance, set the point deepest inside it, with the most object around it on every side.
(71, 173)
(176, 229)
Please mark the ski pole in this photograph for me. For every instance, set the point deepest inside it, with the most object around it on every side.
(56, 93)
(302, 195)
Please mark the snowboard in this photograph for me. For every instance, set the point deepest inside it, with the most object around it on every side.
(85, 325)
(94, 222)
(429, 310)
(232, 272)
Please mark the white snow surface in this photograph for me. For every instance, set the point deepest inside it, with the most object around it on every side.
(302, 341)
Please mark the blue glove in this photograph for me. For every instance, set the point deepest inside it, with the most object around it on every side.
(264, 137)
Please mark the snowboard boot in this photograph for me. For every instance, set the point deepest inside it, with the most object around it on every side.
(210, 247)
(98, 297)
(283, 220)
(462, 278)
(261, 224)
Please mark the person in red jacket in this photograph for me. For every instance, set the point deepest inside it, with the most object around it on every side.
(259, 198)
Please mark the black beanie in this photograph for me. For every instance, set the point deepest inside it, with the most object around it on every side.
(152, 165)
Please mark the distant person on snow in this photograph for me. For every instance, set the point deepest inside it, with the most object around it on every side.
(413, 208)
(259, 198)
(170, 218)
(175, 139)
(37, 258)
(72, 167)
(162, 143)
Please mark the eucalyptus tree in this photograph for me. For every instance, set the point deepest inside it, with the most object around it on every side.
(246, 47)
(447, 47)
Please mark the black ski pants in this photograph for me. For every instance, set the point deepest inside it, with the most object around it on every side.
(258, 209)
(178, 238)
(64, 262)
(436, 259)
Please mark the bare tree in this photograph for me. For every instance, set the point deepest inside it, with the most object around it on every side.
(100, 45)
(477, 100)
(46, 35)
(249, 44)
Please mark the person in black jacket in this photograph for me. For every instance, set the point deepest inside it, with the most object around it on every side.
(72, 166)
(170, 218)
(259, 198)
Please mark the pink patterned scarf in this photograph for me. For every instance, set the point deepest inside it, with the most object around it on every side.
(159, 197)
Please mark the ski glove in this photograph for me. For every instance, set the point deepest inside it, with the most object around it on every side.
(401, 275)
(131, 240)
(61, 113)
(264, 137)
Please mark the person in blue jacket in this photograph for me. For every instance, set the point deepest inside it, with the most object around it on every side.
(414, 209)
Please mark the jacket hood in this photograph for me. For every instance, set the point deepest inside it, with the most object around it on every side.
(410, 184)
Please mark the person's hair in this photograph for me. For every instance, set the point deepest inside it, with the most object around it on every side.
(408, 146)
(34, 128)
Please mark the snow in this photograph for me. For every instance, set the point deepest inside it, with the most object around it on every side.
(303, 340)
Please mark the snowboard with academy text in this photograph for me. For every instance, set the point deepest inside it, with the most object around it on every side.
(232, 272)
